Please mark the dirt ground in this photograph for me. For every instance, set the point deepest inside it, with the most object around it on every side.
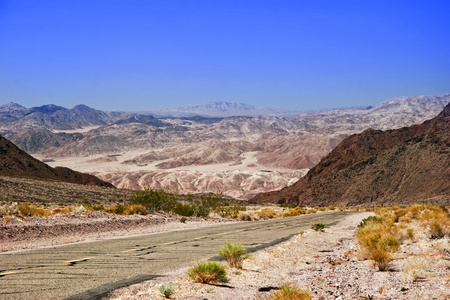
(324, 263)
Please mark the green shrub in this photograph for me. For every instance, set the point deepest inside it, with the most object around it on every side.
(208, 272)
(183, 220)
(288, 292)
(234, 254)
(318, 227)
(155, 200)
(166, 290)
(185, 210)
(368, 220)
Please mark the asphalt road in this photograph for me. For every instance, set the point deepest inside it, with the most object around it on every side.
(91, 270)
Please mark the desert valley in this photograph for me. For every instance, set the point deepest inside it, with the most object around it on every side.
(207, 150)
(94, 176)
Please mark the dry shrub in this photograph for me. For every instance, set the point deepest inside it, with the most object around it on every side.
(381, 259)
(288, 292)
(8, 219)
(208, 272)
(437, 220)
(32, 210)
(416, 268)
(8, 208)
(61, 210)
(135, 209)
(311, 211)
(267, 213)
(292, 212)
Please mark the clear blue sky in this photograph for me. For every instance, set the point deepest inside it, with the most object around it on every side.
(141, 55)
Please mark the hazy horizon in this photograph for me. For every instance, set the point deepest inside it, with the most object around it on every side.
(292, 55)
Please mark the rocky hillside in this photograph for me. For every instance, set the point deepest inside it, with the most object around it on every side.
(16, 163)
(395, 166)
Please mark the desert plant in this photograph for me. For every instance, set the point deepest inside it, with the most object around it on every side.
(135, 209)
(381, 259)
(31, 210)
(185, 210)
(289, 292)
(267, 213)
(415, 268)
(208, 272)
(234, 254)
(183, 220)
(155, 200)
(410, 233)
(166, 290)
(244, 217)
(318, 227)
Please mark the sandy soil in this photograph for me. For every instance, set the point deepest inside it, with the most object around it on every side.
(325, 264)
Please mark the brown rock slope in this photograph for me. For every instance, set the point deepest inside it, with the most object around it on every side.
(17, 163)
(397, 166)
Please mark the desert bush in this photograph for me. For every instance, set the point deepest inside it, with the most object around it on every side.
(331, 207)
(234, 254)
(370, 219)
(318, 227)
(61, 210)
(9, 208)
(32, 210)
(414, 269)
(135, 209)
(437, 220)
(185, 210)
(311, 211)
(410, 233)
(166, 290)
(289, 292)
(244, 217)
(292, 212)
(267, 213)
(183, 220)
(116, 209)
(155, 200)
(208, 272)
(381, 259)
(7, 219)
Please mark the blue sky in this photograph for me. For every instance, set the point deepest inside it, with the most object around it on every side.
(142, 55)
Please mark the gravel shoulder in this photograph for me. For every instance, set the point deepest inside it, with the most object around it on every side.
(324, 263)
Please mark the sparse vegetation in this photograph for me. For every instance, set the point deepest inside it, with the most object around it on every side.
(289, 292)
(268, 213)
(166, 290)
(415, 268)
(318, 227)
(234, 254)
(30, 210)
(208, 272)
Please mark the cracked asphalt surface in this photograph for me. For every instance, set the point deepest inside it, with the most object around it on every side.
(91, 270)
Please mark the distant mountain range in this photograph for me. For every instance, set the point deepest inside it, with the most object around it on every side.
(240, 155)
(221, 110)
(395, 166)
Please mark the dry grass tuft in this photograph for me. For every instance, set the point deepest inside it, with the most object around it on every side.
(289, 292)
(416, 268)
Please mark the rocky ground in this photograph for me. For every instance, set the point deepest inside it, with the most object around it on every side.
(324, 263)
